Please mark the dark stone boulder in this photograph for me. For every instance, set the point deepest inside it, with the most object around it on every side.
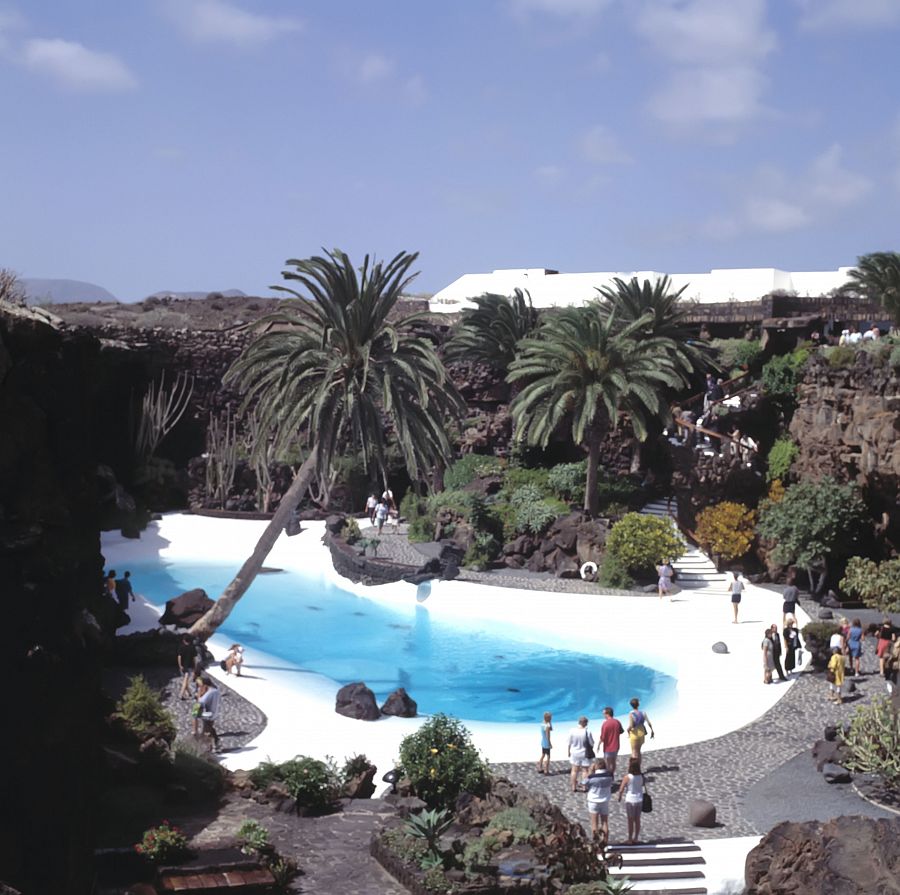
(720, 647)
(702, 813)
(835, 773)
(400, 704)
(831, 601)
(825, 614)
(846, 855)
(361, 785)
(830, 733)
(829, 752)
(357, 701)
(186, 609)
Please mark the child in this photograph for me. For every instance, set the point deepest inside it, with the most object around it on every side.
(599, 789)
(835, 675)
(544, 762)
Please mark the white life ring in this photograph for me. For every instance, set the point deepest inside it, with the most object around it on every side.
(588, 568)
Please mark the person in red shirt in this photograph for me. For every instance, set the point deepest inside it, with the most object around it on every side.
(610, 731)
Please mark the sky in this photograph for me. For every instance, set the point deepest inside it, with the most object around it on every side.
(198, 144)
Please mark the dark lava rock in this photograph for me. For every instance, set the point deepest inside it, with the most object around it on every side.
(835, 773)
(357, 701)
(830, 732)
(183, 611)
(825, 614)
(361, 785)
(846, 855)
(720, 647)
(829, 752)
(702, 813)
(401, 704)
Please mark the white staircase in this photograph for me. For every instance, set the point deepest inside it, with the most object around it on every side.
(672, 868)
(695, 569)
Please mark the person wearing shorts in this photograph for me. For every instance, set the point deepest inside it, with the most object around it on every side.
(633, 789)
(855, 637)
(736, 584)
(580, 740)
(546, 729)
(599, 790)
(638, 722)
(610, 731)
(886, 636)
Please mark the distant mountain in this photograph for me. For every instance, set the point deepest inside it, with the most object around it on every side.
(225, 293)
(49, 292)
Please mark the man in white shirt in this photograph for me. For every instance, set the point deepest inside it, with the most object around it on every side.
(209, 709)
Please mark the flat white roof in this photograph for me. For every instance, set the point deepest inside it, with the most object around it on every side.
(549, 289)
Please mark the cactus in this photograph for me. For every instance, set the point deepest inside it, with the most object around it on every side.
(161, 409)
(221, 456)
(873, 739)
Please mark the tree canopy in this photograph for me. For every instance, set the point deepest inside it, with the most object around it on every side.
(876, 278)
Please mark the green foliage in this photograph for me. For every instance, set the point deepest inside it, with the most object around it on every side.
(781, 455)
(350, 530)
(726, 529)
(435, 880)
(812, 521)
(465, 504)
(875, 583)
(143, 712)
(616, 491)
(201, 776)
(874, 740)
(479, 853)
(840, 356)
(429, 825)
(820, 632)
(895, 357)
(441, 762)
(354, 766)
(524, 495)
(610, 886)
(641, 542)
(470, 467)
(404, 846)
(517, 477)
(482, 552)
(163, 844)
(782, 375)
(517, 821)
(254, 837)
(614, 573)
(314, 784)
(567, 480)
(533, 514)
(876, 277)
(737, 354)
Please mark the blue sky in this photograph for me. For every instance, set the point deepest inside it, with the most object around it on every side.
(197, 144)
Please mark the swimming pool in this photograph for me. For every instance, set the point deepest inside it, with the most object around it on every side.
(473, 669)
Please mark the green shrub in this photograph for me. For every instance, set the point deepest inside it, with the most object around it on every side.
(874, 740)
(567, 480)
(354, 766)
(617, 491)
(421, 530)
(429, 826)
(726, 529)
(875, 583)
(518, 476)
(737, 353)
(404, 846)
(535, 518)
(517, 821)
(314, 784)
(479, 853)
(163, 844)
(781, 455)
(526, 494)
(782, 375)
(441, 762)
(254, 837)
(200, 775)
(482, 552)
(840, 356)
(435, 880)
(614, 573)
(895, 357)
(350, 530)
(469, 468)
(641, 542)
(465, 504)
(143, 712)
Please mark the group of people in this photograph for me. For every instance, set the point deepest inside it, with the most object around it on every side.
(119, 589)
(593, 765)
(772, 649)
(379, 510)
(200, 687)
(846, 645)
(852, 336)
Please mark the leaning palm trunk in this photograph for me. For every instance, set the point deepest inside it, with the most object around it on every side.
(206, 625)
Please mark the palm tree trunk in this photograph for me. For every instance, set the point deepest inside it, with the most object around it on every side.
(591, 495)
(206, 625)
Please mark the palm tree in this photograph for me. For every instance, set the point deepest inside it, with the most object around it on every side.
(583, 370)
(668, 317)
(876, 278)
(334, 369)
(491, 331)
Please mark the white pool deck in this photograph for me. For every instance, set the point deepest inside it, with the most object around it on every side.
(715, 693)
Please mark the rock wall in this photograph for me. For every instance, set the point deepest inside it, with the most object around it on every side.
(51, 573)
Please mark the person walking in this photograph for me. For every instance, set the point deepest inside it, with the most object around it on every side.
(209, 709)
(768, 660)
(186, 656)
(789, 600)
(665, 573)
(855, 637)
(776, 652)
(791, 644)
(633, 789)
(610, 731)
(371, 506)
(109, 584)
(124, 591)
(886, 636)
(598, 786)
(735, 585)
(546, 729)
(834, 674)
(580, 751)
(381, 514)
(638, 722)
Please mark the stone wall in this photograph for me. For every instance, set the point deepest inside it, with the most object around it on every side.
(51, 573)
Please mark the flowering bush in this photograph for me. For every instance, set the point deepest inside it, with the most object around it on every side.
(163, 843)
(441, 762)
(726, 529)
(640, 542)
(314, 784)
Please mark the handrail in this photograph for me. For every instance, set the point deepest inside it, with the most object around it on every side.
(679, 421)
(701, 395)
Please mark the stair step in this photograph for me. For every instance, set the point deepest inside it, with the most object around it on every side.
(662, 861)
(692, 890)
(656, 848)
(663, 875)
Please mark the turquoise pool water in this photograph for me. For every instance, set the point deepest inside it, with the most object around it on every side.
(473, 672)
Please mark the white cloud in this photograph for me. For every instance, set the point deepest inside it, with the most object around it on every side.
(774, 215)
(381, 74)
(715, 52)
(374, 67)
(562, 8)
(74, 66)
(218, 21)
(600, 146)
(833, 184)
(837, 14)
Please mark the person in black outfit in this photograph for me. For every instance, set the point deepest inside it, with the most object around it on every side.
(791, 644)
(187, 663)
(776, 652)
(124, 591)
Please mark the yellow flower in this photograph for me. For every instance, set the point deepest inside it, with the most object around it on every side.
(433, 772)
(451, 745)
(434, 751)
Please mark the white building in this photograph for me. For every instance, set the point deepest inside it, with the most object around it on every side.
(549, 289)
